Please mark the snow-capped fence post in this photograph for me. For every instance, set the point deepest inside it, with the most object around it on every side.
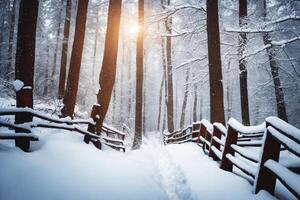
(231, 138)
(91, 127)
(24, 96)
(216, 133)
(201, 134)
(265, 179)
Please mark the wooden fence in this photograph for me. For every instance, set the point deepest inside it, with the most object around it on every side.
(107, 135)
(254, 150)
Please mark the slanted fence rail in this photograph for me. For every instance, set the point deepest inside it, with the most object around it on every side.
(253, 150)
(107, 135)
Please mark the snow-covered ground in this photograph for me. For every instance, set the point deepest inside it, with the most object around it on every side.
(61, 166)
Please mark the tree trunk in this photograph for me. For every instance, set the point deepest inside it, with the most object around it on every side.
(279, 94)
(162, 84)
(139, 79)
(95, 48)
(170, 107)
(130, 83)
(64, 52)
(46, 81)
(144, 100)
(214, 59)
(228, 94)
(242, 65)
(195, 103)
(160, 102)
(109, 63)
(184, 103)
(56, 46)
(75, 62)
(25, 56)
(11, 40)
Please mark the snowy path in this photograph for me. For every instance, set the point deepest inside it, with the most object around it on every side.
(63, 167)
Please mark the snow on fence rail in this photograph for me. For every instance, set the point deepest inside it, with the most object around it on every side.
(109, 136)
(278, 133)
(234, 146)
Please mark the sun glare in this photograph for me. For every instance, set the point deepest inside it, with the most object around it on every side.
(133, 29)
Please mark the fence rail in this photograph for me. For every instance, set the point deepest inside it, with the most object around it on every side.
(254, 150)
(108, 135)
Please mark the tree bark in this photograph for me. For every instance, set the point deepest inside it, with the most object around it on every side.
(279, 94)
(160, 102)
(144, 100)
(46, 77)
(163, 85)
(95, 47)
(214, 59)
(56, 45)
(139, 78)
(195, 103)
(64, 52)
(184, 103)
(25, 56)
(242, 65)
(75, 63)
(108, 71)
(11, 40)
(170, 104)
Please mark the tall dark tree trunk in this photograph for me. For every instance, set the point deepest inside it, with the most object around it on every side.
(75, 63)
(139, 79)
(184, 103)
(214, 60)
(109, 64)
(64, 52)
(11, 40)
(170, 105)
(279, 94)
(242, 65)
(24, 66)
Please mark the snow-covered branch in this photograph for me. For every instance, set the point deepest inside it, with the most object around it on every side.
(190, 61)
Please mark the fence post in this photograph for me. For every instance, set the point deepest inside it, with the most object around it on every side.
(217, 133)
(231, 138)
(25, 94)
(266, 180)
(196, 127)
(207, 138)
(91, 127)
(201, 133)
